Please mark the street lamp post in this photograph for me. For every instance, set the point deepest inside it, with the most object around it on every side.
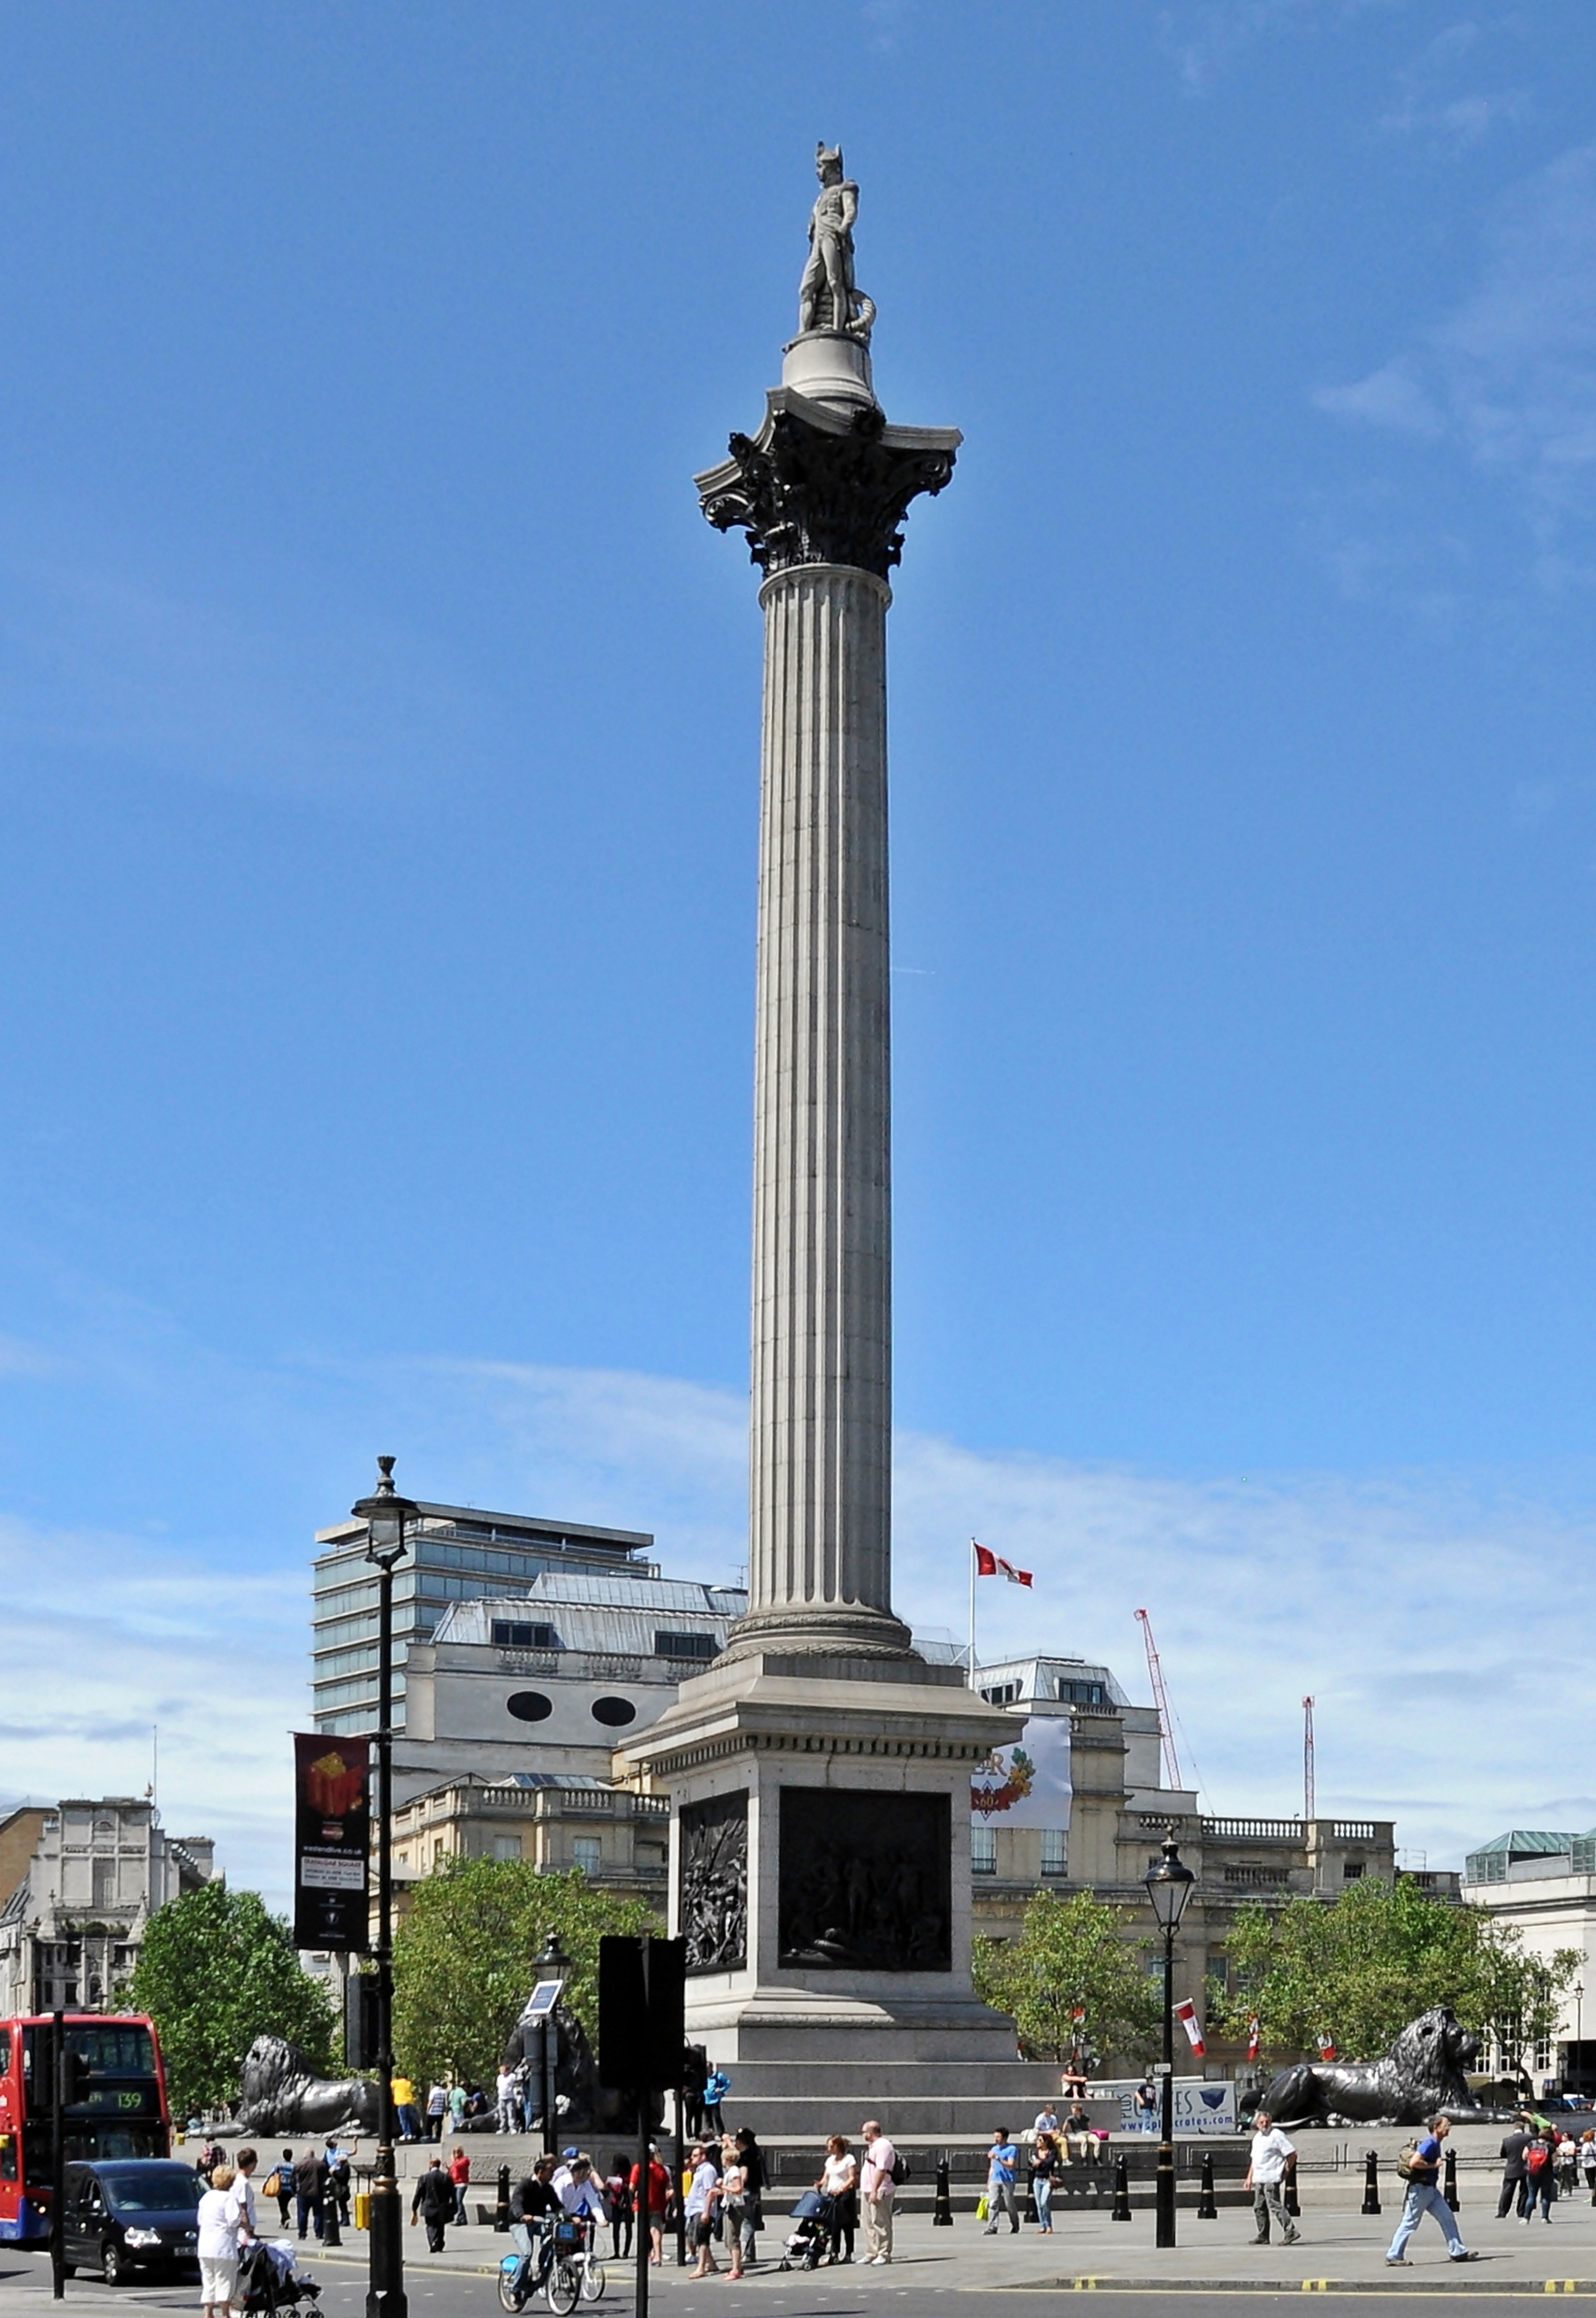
(552, 1965)
(1168, 1887)
(385, 1515)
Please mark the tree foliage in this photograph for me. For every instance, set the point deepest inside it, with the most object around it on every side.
(463, 1958)
(1072, 1955)
(215, 1972)
(1359, 1968)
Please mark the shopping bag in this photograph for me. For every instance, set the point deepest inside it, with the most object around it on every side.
(981, 2209)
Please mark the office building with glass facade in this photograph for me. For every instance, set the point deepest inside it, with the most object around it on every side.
(457, 1553)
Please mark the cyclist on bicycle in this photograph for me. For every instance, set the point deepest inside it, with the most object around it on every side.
(533, 2204)
(581, 2194)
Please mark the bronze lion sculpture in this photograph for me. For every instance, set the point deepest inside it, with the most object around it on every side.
(281, 2094)
(1422, 2072)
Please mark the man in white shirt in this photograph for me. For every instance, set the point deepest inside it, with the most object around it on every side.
(1271, 2155)
(505, 2102)
(578, 2192)
(876, 2186)
(1046, 2120)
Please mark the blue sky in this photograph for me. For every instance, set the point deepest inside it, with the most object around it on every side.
(378, 761)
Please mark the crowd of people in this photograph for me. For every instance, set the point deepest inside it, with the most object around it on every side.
(447, 2107)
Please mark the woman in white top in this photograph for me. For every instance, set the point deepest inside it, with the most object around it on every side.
(218, 2244)
(839, 2177)
(733, 2190)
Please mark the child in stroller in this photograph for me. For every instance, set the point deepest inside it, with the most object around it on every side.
(811, 2238)
(268, 2281)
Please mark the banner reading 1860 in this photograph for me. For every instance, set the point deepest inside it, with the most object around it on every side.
(332, 1841)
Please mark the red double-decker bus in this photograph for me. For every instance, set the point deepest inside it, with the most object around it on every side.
(115, 2107)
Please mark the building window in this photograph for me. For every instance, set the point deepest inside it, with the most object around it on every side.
(1353, 1870)
(1543, 2053)
(1081, 1694)
(1054, 1855)
(683, 1646)
(586, 1852)
(1001, 1693)
(983, 1851)
(506, 1847)
(615, 1713)
(437, 1849)
(510, 1634)
(529, 1706)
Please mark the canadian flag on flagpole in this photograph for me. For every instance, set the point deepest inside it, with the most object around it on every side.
(1326, 2047)
(1252, 2038)
(1187, 2015)
(992, 1565)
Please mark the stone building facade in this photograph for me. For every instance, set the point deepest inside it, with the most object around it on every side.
(79, 1880)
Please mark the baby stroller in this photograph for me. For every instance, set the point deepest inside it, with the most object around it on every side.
(268, 2281)
(804, 2248)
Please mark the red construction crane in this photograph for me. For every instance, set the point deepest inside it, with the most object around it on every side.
(1165, 1723)
(1309, 1798)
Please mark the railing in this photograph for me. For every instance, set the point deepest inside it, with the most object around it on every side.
(1253, 1830)
(1352, 1830)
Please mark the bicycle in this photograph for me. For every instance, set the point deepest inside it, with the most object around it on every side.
(564, 2268)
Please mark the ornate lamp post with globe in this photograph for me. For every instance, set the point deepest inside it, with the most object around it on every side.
(385, 1515)
(1169, 1888)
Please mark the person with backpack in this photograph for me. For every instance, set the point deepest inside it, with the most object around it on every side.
(878, 2181)
(1541, 2169)
(1420, 2165)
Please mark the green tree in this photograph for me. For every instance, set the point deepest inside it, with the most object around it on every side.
(1359, 1968)
(463, 1958)
(1072, 1956)
(215, 1972)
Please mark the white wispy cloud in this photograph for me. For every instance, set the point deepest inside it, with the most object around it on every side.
(1430, 100)
(1207, 38)
(1509, 378)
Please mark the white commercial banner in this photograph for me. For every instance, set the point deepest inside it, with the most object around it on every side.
(1201, 2106)
(1028, 1784)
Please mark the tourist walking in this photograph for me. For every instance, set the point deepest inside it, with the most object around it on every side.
(839, 2181)
(460, 2176)
(241, 2196)
(278, 2184)
(703, 2191)
(1514, 2173)
(1568, 2165)
(617, 2189)
(1266, 2163)
(218, 2220)
(878, 2185)
(1044, 2166)
(1002, 2164)
(1425, 2197)
(1541, 2169)
(655, 2202)
(1588, 2161)
(433, 2203)
(309, 2190)
(755, 2180)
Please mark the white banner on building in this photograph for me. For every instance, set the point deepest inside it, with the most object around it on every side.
(1028, 1784)
(1200, 2105)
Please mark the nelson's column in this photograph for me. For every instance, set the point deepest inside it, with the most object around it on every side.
(819, 1769)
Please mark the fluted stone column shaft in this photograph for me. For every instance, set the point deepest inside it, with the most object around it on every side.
(820, 1419)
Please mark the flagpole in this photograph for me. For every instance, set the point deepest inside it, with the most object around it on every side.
(972, 1614)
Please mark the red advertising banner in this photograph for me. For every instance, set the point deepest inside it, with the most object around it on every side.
(332, 1841)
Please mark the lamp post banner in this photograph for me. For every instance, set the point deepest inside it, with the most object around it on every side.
(332, 1841)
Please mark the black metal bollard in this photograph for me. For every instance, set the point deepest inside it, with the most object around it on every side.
(1207, 2203)
(1122, 2191)
(1292, 2207)
(501, 2203)
(1371, 2181)
(942, 2209)
(329, 2219)
(1450, 2180)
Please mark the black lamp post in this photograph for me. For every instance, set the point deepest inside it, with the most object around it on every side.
(385, 1515)
(552, 1965)
(1168, 1887)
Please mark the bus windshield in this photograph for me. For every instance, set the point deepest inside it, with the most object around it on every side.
(113, 2048)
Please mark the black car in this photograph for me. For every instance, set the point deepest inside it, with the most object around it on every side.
(128, 2213)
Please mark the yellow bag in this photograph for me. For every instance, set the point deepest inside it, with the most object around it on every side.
(981, 2209)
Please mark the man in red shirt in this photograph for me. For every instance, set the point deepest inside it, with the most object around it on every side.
(658, 2202)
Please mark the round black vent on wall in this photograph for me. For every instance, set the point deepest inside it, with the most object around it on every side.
(529, 1705)
(615, 1711)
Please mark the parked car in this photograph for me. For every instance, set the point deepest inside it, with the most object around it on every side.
(130, 2214)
